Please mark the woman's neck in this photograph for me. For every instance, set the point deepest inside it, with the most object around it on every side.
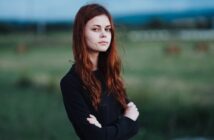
(94, 59)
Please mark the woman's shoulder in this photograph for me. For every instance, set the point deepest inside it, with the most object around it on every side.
(71, 78)
(71, 86)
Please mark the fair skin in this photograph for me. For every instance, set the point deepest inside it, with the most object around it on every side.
(98, 38)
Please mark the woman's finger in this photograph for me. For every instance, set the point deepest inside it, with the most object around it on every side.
(94, 121)
(130, 103)
(91, 120)
(92, 116)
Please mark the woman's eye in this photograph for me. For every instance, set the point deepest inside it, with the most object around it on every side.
(108, 29)
(95, 29)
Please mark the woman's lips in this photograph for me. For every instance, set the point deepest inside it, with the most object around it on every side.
(103, 43)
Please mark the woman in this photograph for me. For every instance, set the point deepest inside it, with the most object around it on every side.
(93, 91)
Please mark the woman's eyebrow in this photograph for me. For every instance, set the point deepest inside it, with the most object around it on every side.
(100, 25)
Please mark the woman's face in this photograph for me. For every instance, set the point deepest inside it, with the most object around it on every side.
(98, 33)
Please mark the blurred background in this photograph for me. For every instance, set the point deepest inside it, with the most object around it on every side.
(167, 50)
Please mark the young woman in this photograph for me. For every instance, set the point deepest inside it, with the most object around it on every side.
(93, 91)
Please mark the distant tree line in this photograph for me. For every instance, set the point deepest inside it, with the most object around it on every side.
(153, 23)
(10, 27)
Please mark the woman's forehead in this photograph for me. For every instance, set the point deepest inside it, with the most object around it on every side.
(101, 20)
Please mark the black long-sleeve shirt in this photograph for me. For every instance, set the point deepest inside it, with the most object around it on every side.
(78, 106)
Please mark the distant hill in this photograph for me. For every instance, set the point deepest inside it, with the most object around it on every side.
(141, 18)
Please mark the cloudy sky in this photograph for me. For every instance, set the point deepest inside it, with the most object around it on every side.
(66, 9)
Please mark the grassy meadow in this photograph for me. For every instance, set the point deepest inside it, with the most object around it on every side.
(174, 91)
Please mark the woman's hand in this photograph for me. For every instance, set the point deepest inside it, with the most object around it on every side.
(131, 111)
(93, 120)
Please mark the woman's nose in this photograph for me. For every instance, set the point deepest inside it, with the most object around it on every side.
(103, 34)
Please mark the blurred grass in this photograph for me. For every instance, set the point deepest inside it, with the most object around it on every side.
(174, 92)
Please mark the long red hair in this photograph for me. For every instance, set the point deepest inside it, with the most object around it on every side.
(108, 62)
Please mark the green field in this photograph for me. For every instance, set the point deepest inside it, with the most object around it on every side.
(174, 92)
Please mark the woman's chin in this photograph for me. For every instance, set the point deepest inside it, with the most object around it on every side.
(103, 49)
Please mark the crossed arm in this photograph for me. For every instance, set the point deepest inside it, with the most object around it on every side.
(87, 126)
(131, 112)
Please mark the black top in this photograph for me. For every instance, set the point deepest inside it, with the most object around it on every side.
(78, 106)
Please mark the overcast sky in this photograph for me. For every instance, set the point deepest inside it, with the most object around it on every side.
(66, 9)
